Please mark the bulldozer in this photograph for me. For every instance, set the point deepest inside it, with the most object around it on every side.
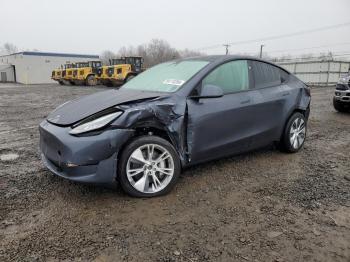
(85, 73)
(57, 75)
(120, 70)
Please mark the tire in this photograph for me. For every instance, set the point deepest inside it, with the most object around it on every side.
(294, 133)
(129, 77)
(141, 182)
(61, 83)
(91, 80)
(338, 106)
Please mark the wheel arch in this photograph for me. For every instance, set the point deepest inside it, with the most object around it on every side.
(146, 128)
(304, 111)
(90, 74)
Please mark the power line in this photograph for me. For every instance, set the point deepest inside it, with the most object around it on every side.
(279, 36)
(306, 48)
(312, 57)
(298, 49)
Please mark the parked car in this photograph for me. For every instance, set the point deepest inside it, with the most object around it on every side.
(341, 99)
(172, 116)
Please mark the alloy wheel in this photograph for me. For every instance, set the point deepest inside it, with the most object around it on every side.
(297, 133)
(150, 168)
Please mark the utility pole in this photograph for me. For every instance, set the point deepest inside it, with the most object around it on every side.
(261, 48)
(226, 46)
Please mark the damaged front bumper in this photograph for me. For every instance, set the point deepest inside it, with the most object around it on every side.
(88, 159)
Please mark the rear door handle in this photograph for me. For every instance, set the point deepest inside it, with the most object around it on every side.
(285, 93)
(245, 101)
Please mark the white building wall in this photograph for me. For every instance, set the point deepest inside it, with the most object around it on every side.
(317, 72)
(37, 69)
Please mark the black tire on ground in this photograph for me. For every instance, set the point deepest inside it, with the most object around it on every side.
(129, 77)
(61, 83)
(285, 142)
(125, 155)
(91, 80)
(339, 106)
(108, 84)
(72, 83)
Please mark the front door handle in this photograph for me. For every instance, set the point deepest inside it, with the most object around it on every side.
(245, 101)
(285, 93)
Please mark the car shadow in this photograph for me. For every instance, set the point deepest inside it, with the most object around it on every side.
(81, 191)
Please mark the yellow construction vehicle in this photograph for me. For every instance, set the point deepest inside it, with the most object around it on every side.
(106, 72)
(86, 73)
(75, 77)
(102, 75)
(121, 70)
(57, 75)
(67, 73)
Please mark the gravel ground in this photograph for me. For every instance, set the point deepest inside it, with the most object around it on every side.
(260, 206)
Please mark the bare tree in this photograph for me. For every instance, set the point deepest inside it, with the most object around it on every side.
(155, 52)
(159, 51)
(106, 55)
(10, 48)
(189, 53)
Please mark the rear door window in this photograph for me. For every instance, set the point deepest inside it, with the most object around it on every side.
(266, 75)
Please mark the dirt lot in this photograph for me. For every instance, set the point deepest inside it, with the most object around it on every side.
(261, 206)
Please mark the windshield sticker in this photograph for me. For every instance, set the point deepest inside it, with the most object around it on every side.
(173, 82)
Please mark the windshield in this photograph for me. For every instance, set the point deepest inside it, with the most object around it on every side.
(166, 77)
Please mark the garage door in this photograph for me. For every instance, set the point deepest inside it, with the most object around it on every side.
(7, 73)
(3, 77)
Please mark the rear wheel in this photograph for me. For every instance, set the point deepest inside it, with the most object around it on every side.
(61, 83)
(338, 106)
(91, 80)
(149, 166)
(294, 134)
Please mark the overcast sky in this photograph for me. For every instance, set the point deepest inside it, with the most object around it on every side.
(86, 26)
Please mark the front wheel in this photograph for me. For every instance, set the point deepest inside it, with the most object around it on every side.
(338, 106)
(149, 166)
(294, 134)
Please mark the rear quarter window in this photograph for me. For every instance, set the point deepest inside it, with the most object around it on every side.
(266, 75)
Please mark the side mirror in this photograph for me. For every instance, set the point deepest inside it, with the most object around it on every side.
(210, 91)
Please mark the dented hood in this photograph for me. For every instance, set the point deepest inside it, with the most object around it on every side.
(76, 110)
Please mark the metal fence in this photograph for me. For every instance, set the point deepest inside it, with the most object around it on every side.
(318, 73)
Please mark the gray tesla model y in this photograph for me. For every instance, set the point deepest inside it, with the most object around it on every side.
(174, 115)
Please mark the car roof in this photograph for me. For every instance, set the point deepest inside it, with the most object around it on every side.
(224, 58)
(220, 58)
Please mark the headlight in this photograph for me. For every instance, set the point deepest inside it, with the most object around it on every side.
(344, 80)
(95, 124)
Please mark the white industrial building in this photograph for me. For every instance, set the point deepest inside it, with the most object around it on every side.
(318, 73)
(36, 67)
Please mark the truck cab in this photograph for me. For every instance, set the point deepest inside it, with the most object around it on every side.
(121, 70)
(341, 98)
(87, 73)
